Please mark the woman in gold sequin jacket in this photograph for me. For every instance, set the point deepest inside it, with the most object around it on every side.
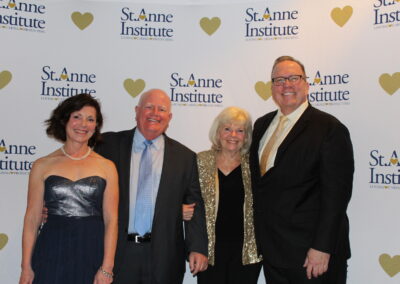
(226, 189)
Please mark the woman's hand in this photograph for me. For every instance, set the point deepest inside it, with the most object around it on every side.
(103, 277)
(27, 276)
(188, 211)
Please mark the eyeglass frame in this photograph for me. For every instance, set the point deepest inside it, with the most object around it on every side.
(287, 79)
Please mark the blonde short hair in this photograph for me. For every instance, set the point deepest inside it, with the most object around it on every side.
(227, 116)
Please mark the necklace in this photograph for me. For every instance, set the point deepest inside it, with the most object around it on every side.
(76, 158)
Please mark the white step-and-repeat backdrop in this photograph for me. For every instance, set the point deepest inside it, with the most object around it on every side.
(207, 55)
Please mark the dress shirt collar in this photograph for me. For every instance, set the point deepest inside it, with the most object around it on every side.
(138, 141)
(295, 115)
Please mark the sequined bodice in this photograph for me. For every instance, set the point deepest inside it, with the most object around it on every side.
(80, 198)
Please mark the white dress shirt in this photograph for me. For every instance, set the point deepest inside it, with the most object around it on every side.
(157, 156)
(292, 119)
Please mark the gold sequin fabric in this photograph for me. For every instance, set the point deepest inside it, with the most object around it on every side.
(209, 184)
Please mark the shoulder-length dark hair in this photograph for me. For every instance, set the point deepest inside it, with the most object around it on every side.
(60, 116)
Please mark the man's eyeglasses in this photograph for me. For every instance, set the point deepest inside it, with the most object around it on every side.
(280, 81)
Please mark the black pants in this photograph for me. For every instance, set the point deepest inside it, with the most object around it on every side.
(228, 268)
(336, 274)
(136, 268)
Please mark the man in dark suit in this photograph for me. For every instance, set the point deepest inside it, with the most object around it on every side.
(302, 172)
(158, 256)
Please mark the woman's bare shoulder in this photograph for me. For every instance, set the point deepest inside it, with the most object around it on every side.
(46, 162)
(106, 163)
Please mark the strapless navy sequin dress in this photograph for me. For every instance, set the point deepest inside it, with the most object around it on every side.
(69, 248)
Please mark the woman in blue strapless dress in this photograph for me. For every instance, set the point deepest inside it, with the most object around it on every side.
(80, 190)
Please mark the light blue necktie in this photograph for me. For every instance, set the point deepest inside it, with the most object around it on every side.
(143, 207)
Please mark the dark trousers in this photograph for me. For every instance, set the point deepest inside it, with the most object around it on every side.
(336, 274)
(228, 268)
(136, 268)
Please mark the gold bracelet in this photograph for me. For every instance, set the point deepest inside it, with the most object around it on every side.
(106, 273)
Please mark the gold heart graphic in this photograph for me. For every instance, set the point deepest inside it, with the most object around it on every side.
(317, 80)
(394, 161)
(266, 16)
(142, 17)
(191, 82)
(5, 78)
(210, 26)
(134, 87)
(3, 240)
(391, 265)
(82, 21)
(263, 89)
(64, 76)
(390, 83)
(341, 16)
(11, 5)
(2, 149)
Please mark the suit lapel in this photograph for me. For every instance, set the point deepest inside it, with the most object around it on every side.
(265, 124)
(125, 153)
(261, 131)
(257, 136)
(162, 189)
(294, 133)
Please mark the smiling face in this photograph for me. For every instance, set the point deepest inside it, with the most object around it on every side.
(231, 137)
(290, 95)
(153, 114)
(81, 124)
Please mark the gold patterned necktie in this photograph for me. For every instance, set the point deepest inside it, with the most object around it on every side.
(270, 145)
